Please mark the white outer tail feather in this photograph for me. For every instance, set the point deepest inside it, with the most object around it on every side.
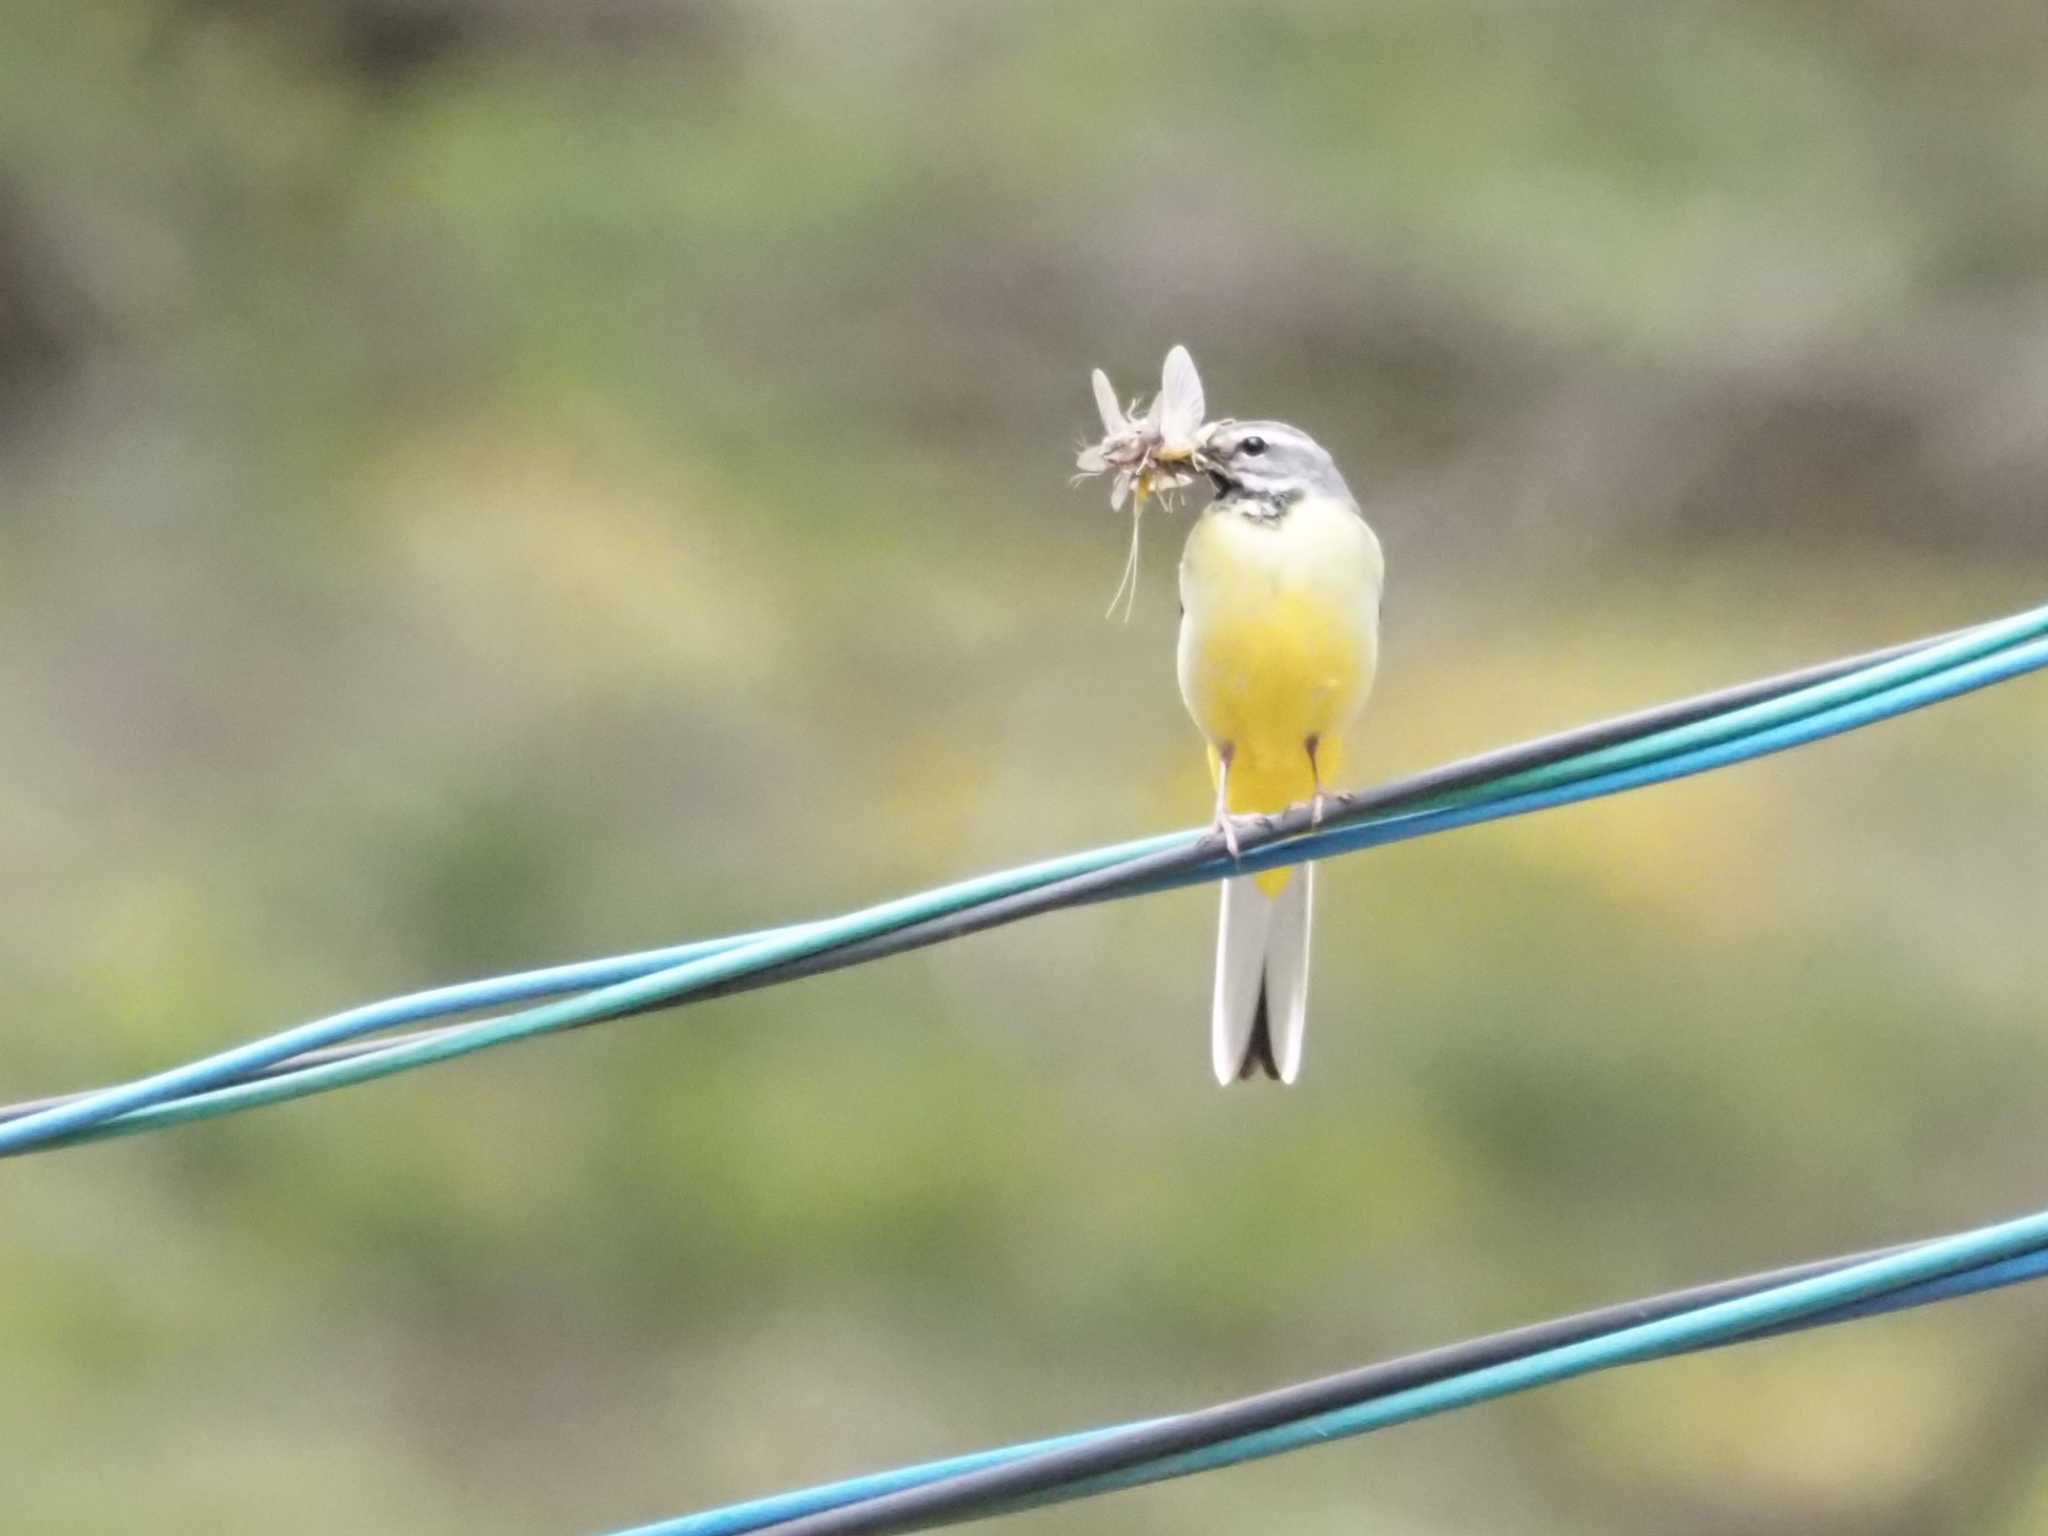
(1261, 946)
(1287, 970)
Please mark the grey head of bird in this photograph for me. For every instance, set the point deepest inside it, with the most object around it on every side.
(1270, 463)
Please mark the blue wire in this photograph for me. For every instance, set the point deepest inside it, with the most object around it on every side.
(661, 975)
(756, 1513)
(1969, 677)
(728, 959)
(1722, 1323)
(1969, 1282)
(192, 1079)
(1795, 1307)
(353, 1023)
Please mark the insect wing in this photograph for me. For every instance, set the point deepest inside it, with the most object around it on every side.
(1114, 423)
(1180, 407)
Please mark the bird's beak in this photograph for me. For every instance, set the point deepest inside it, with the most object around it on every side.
(1195, 456)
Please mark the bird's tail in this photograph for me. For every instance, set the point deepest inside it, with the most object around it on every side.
(1261, 1005)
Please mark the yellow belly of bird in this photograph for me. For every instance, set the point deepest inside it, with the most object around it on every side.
(1278, 644)
(1266, 679)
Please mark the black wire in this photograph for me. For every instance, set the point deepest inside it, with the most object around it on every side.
(1355, 805)
(999, 1489)
(1136, 874)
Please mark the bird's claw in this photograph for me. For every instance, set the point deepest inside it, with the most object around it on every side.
(1223, 825)
(1229, 826)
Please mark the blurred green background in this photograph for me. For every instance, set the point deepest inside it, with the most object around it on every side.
(488, 482)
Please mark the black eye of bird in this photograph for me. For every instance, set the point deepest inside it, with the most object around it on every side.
(1252, 447)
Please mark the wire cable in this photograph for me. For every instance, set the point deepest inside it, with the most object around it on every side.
(347, 1029)
(1650, 747)
(1002, 1481)
(1603, 759)
(665, 987)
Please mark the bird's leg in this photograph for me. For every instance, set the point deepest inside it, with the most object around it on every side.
(1315, 804)
(1223, 821)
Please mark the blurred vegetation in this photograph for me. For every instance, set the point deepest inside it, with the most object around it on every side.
(492, 481)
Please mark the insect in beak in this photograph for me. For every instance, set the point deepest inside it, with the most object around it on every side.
(1151, 453)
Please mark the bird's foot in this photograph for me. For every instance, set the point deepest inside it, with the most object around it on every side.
(1230, 826)
(1315, 810)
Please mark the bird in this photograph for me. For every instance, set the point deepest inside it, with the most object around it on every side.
(1280, 585)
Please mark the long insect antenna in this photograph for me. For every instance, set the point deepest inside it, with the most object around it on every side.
(1127, 588)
